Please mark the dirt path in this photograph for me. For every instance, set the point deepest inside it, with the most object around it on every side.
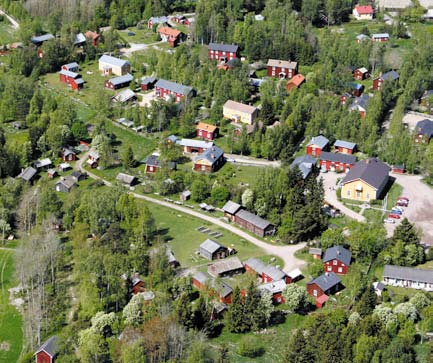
(13, 22)
(286, 253)
(246, 160)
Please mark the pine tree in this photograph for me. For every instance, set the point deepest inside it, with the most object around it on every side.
(128, 158)
(235, 314)
(252, 315)
(183, 311)
(406, 232)
(298, 350)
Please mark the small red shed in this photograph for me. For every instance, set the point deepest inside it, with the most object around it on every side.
(48, 351)
(206, 131)
(316, 145)
(321, 300)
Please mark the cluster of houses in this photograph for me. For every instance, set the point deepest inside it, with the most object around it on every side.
(167, 33)
(69, 74)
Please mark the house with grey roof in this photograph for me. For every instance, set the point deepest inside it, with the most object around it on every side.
(209, 160)
(360, 104)
(423, 131)
(119, 82)
(109, 65)
(327, 284)
(201, 279)
(147, 83)
(337, 259)
(65, 184)
(316, 145)
(275, 289)
(336, 161)
(71, 67)
(39, 40)
(212, 250)
(223, 52)
(48, 351)
(315, 252)
(366, 180)
(255, 265)
(362, 37)
(80, 39)
(230, 209)
(43, 164)
(254, 223)
(28, 174)
(166, 89)
(390, 76)
(125, 179)
(408, 277)
(305, 163)
(127, 95)
(272, 273)
(226, 267)
(345, 147)
(156, 20)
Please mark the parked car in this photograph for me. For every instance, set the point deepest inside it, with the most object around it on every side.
(389, 220)
(402, 203)
(398, 207)
(403, 198)
(394, 215)
(396, 211)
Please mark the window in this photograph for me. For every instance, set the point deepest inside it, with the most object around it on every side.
(329, 268)
(340, 269)
(358, 194)
(368, 196)
(150, 168)
(348, 193)
(203, 167)
(335, 262)
(315, 293)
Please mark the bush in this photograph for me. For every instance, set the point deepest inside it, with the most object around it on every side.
(250, 347)
(338, 194)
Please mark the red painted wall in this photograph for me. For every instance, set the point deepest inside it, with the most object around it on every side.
(219, 54)
(335, 266)
(312, 287)
(338, 166)
(161, 92)
(276, 73)
(207, 135)
(43, 357)
(313, 150)
(343, 150)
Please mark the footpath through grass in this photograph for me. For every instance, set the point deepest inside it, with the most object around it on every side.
(10, 319)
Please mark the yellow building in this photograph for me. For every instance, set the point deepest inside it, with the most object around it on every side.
(366, 180)
(239, 112)
(109, 65)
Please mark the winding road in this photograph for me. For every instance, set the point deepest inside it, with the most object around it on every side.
(286, 253)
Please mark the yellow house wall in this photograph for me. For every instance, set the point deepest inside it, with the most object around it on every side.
(234, 114)
(116, 70)
(368, 193)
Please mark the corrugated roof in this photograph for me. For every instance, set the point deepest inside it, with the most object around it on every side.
(253, 219)
(274, 273)
(345, 144)
(27, 174)
(241, 107)
(282, 63)
(113, 60)
(408, 273)
(372, 171)
(211, 246)
(71, 65)
(224, 266)
(122, 79)
(326, 281)
(68, 73)
(337, 157)
(50, 346)
(42, 163)
(231, 207)
(125, 95)
(257, 265)
(338, 252)
(223, 47)
(195, 143)
(42, 38)
(320, 141)
(174, 87)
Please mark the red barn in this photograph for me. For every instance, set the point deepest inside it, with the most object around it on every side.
(178, 91)
(361, 73)
(316, 145)
(119, 82)
(68, 76)
(148, 83)
(328, 283)
(206, 131)
(222, 52)
(388, 76)
(399, 169)
(337, 260)
(48, 351)
(281, 69)
(336, 161)
(345, 147)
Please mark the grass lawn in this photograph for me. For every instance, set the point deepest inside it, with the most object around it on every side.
(180, 231)
(7, 33)
(373, 215)
(10, 319)
(15, 137)
(274, 340)
(146, 36)
(395, 192)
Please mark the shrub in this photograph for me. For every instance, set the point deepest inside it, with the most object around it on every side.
(250, 347)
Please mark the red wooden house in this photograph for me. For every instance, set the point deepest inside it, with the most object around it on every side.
(295, 82)
(390, 76)
(399, 169)
(181, 19)
(337, 260)
(193, 146)
(223, 52)
(336, 161)
(119, 82)
(254, 224)
(137, 284)
(71, 67)
(344, 98)
(206, 131)
(148, 83)
(48, 351)
(156, 20)
(316, 253)
(153, 164)
(345, 147)
(361, 73)
(200, 280)
(324, 285)
(275, 289)
(210, 160)
(281, 69)
(73, 79)
(381, 37)
(93, 37)
(93, 159)
(316, 145)
(172, 36)
(178, 91)
(273, 274)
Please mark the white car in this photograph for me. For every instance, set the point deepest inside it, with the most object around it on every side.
(389, 220)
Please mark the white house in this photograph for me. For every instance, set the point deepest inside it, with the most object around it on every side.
(408, 277)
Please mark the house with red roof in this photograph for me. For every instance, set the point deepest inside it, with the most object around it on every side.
(363, 12)
(295, 82)
(172, 36)
(206, 131)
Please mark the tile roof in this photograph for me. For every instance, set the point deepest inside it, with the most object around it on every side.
(121, 79)
(241, 107)
(223, 266)
(345, 144)
(364, 9)
(338, 253)
(326, 281)
(296, 80)
(206, 127)
(50, 346)
(231, 207)
(320, 141)
(211, 246)
(27, 174)
(337, 157)
(253, 219)
(169, 31)
(282, 64)
(113, 60)
(212, 155)
(424, 127)
(174, 87)
(257, 265)
(372, 171)
(223, 47)
(408, 273)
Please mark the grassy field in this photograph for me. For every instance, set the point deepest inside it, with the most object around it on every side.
(144, 35)
(10, 319)
(180, 231)
(7, 33)
(395, 191)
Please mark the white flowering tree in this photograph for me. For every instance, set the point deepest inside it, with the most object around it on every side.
(295, 297)
(133, 311)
